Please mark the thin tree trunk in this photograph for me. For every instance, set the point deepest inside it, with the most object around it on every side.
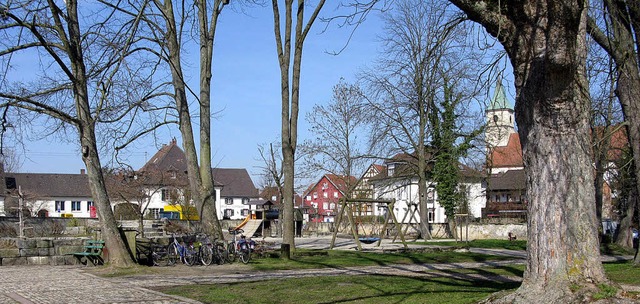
(118, 255)
(621, 47)
(207, 208)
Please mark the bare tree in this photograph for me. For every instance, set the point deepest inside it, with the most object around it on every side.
(340, 129)
(169, 22)
(404, 87)
(83, 64)
(290, 44)
(546, 44)
(618, 36)
(272, 175)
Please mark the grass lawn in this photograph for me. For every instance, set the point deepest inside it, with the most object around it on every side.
(347, 289)
(309, 259)
(377, 288)
(498, 244)
(450, 286)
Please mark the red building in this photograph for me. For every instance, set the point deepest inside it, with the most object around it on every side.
(323, 197)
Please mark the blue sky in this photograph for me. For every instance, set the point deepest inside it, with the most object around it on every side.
(246, 91)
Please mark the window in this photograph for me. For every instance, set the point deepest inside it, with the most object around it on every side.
(274, 198)
(59, 206)
(245, 200)
(325, 186)
(315, 195)
(332, 206)
(431, 215)
(335, 194)
(228, 201)
(75, 206)
(325, 206)
(165, 195)
(390, 169)
(228, 213)
(244, 212)
(308, 197)
(325, 194)
(89, 205)
(155, 212)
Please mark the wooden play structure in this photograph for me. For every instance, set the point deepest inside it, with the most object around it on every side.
(357, 210)
(412, 221)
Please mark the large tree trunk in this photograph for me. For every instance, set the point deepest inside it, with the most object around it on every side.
(545, 41)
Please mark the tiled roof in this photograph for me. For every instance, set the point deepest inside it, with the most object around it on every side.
(169, 158)
(509, 180)
(235, 182)
(45, 185)
(342, 182)
(509, 155)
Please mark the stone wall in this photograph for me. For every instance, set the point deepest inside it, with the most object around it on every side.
(438, 231)
(39, 251)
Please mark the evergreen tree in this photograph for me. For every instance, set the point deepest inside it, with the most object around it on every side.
(450, 145)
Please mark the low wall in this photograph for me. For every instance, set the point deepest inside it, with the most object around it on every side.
(496, 231)
(475, 230)
(39, 251)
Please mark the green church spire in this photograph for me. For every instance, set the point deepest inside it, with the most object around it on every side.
(500, 101)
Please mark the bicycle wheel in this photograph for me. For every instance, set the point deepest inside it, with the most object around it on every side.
(157, 253)
(206, 255)
(231, 251)
(245, 256)
(172, 254)
(222, 255)
(189, 255)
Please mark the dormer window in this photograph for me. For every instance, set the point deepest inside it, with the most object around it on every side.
(391, 169)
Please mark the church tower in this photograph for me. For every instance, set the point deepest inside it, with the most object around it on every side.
(500, 119)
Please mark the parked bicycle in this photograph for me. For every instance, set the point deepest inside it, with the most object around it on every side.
(185, 251)
(203, 249)
(160, 253)
(240, 249)
(220, 253)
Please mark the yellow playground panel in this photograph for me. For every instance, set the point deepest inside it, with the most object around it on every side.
(186, 212)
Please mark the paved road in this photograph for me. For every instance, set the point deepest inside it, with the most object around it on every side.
(67, 285)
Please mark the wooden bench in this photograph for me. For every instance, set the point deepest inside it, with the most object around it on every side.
(92, 252)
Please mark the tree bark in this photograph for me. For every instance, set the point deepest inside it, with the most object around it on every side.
(545, 42)
(118, 254)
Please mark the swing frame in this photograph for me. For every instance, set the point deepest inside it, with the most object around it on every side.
(345, 203)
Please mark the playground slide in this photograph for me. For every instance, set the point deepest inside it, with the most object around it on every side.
(244, 222)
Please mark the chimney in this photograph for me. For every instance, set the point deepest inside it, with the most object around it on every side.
(81, 171)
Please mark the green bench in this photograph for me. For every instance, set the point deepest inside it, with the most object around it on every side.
(92, 252)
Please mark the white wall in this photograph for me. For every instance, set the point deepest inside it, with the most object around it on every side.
(405, 192)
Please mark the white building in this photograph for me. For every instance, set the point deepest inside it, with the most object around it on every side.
(160, 184)
(396, 183)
